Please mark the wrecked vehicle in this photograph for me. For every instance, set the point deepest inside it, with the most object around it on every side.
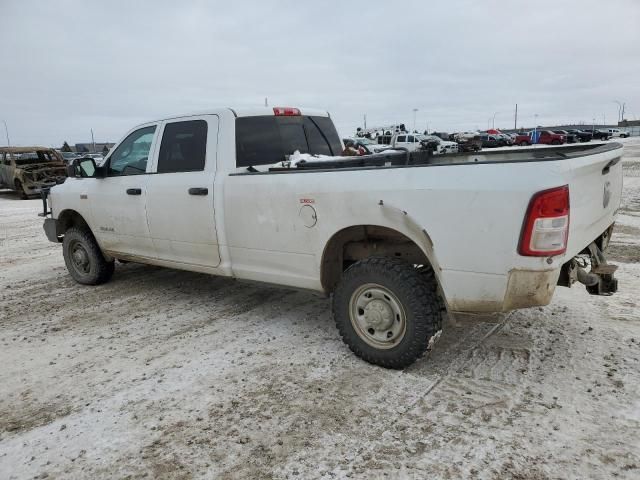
(397, 239)
(28, 170)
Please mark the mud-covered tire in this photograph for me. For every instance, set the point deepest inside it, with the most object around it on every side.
(83, 258)
(414, 291)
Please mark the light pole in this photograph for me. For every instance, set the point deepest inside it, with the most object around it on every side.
(493, 122)
(535, 128)
(415, 111)
(6, 131)
(619, 109)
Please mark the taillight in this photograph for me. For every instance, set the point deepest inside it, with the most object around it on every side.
(286, 111)
(546, 225)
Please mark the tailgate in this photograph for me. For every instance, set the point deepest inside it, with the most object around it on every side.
(595, 191)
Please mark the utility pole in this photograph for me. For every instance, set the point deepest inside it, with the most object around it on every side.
(266, 102)
(365, 121)
(6, 130)
(493, 123)
(415, 110)
(93, 141)
(515, 119)
(620, 110)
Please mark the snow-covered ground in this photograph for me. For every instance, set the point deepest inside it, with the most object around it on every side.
(168, 374)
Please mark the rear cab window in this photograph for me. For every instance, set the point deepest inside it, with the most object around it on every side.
(268, 139)
(183, 147)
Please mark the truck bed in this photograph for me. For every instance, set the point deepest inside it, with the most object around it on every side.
(399, 159)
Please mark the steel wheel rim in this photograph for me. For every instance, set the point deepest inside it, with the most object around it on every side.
(79, 257)
(377, 316)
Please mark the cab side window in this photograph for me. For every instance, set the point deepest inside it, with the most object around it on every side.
(183, 147)
(132, 155)
(401, 139)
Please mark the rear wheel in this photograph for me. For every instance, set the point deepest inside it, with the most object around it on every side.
(387, 311)
(555, 142)
(523, 144)
(84, 259)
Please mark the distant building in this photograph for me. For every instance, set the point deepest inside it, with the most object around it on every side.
(89, 147)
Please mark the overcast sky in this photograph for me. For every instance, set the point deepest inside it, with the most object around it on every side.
(69, 66)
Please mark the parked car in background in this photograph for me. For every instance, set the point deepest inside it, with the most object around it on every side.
(489, 141)
(522, 139)
(617, 132)
(505, 139)
(583, 136)
(67, 157)
(28, 170)
(413, 141)
(410, 141)
(368, 145)
(547, 137)
(601, 134)
(441, 146)
(571, 137)
(468, 141)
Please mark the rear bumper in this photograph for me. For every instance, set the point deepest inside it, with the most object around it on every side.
(472, 292)
(51, 230)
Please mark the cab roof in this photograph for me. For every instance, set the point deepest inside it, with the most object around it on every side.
(247, 112)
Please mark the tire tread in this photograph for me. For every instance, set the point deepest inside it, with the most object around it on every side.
(424, 310)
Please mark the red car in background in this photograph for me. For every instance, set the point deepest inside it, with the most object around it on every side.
(547, 137)
(522, 139)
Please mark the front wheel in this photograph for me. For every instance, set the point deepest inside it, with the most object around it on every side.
(387, 311)
(84, 259)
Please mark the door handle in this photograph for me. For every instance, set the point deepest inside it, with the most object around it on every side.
(198, 191)
(134, 191)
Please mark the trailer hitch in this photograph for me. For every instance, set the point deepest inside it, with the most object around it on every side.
(598, 281)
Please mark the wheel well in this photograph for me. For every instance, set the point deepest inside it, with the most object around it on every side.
(68, 219)
(362, 241)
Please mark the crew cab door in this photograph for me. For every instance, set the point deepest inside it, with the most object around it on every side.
(117, 201)
(180, 192)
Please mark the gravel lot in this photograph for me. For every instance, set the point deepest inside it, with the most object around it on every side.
(169, 374)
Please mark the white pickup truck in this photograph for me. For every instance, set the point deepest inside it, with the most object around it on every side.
(395, 240)
(412, 142)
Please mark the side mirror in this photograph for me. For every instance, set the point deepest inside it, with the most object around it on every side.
(84, 168)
